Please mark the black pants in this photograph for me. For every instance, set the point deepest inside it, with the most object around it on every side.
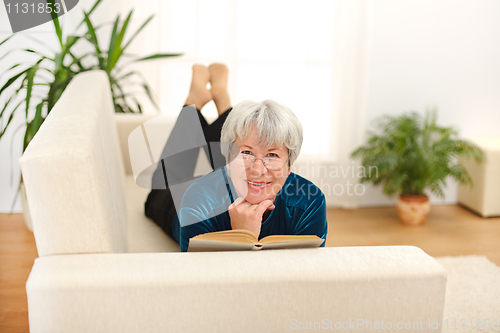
(179, 168)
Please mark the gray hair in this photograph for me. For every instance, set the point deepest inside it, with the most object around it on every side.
(276, 124)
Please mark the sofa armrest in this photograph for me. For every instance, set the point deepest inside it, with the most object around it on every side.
(483, 197)
(265, 291)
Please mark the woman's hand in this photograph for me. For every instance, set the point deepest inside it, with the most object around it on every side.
(245, 215)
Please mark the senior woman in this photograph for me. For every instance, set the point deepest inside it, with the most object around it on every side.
(255, 190)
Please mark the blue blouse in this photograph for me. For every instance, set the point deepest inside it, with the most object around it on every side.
(300, 208)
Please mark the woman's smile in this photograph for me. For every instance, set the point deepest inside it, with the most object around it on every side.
(257, 184)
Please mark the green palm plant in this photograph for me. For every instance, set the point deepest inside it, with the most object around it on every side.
(413, 154)
(38, 86)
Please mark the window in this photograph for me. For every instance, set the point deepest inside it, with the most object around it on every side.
(281, 50)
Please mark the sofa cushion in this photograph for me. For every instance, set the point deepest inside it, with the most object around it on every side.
(143, 234)
(253, 291)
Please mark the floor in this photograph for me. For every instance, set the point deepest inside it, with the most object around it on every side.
(17, 253)
(448, 231)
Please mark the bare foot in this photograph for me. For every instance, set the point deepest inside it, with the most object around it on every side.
(199, 95)
(218, 81)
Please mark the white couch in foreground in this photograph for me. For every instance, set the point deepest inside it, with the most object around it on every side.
(104, 267)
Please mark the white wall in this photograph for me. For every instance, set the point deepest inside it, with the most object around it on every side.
(442, 53)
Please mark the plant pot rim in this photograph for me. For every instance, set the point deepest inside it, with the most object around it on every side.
(414, 197)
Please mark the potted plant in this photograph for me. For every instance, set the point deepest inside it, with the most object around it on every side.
(38, 86)
(414, 156)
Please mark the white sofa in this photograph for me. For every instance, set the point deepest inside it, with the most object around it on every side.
(484, 196)
(104, 267)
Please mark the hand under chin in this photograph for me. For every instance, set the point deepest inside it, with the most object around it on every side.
(257, 200)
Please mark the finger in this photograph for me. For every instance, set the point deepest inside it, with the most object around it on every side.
(261, 208)
(265, 202)
(270, 207)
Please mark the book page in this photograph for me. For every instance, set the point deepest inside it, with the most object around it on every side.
(286, 238)
(203, 245)
(296, 244)
(239, 235)
(244, 240)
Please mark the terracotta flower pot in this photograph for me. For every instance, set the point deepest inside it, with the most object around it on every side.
(413, 209)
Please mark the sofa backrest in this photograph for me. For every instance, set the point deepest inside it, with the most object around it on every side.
(74, 175)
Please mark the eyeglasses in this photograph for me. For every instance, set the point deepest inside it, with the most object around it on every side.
(247, 160)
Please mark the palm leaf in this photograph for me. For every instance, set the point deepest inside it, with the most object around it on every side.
(92, 38)
(29, 85)
(11, 116)
(148, 92)
(158, 56)
(117, 51)
(55, 20)
(112, 43)
(139, 107)
(125, 75)
(6, 39)
(13, 79)
(20, 49)
(70, 42)
(137, 32)
(89, 12)
(34, 125)
(6, 105)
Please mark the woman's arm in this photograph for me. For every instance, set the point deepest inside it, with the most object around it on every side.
(193, 223)
(313, 220)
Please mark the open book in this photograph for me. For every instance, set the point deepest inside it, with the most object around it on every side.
(243, 240)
